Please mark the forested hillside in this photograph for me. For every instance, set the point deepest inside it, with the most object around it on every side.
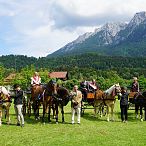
(125, 66)
(107, 70)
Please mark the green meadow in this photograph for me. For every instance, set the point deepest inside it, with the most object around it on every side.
(91, 132)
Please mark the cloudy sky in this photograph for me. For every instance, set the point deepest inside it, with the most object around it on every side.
(40, 27)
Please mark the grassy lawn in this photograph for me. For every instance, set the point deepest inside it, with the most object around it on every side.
(92, 131)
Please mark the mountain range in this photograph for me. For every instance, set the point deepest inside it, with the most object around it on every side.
(112, 39)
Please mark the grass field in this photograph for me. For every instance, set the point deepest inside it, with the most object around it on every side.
(91, 132)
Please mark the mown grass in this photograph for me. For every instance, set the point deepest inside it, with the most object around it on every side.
(91, 132)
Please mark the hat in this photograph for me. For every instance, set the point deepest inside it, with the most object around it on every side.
(134, 78)
(16, 86)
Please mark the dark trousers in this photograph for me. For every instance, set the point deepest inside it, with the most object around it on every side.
(124, 109)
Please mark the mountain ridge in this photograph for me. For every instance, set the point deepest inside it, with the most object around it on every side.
(111, 39)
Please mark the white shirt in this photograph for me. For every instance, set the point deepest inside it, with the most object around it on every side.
(36, 80)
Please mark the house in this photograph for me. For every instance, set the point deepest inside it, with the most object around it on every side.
(59, 75)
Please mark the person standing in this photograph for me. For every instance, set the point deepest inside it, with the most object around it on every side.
(18, 103)
(124, 104)
(76, 104)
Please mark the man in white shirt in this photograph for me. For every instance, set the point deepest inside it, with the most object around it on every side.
(76, 103)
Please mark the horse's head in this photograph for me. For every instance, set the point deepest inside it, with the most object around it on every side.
(4, 94)
(113, 90)
(52, 87)
(117, 89)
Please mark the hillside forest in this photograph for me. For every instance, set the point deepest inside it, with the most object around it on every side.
(106, 70)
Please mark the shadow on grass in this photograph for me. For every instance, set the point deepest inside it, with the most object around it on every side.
(31, 119)
(131, 116)
(91, 117)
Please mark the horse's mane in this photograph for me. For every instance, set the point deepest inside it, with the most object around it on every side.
(109, 91)
(4, 90)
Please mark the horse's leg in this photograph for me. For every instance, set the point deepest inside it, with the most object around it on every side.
(7, 114)
(136, 110)
(38, 106)
(44, 110)
(141, 113)
(112, 112)
(108, 113)
(35, 110)
(145, 113)
(56, 107)
(49, 112)
(62, 111)
(101, 109)
(1, 115)
(95, 109)
(53, 107)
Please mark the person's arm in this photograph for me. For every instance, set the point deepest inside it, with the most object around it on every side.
(138, 87)
(39, 81)
(32, 80)
(79, 99)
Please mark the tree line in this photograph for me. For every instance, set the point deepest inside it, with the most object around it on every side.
(107, 70)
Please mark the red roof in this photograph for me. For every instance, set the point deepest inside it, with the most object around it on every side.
(60, 75)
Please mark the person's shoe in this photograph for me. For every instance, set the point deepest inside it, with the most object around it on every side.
(18, 124)
(22, 125)
(126, 121)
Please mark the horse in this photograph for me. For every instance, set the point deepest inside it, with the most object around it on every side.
(55, 96)
(60, 100)
(140, 103)
(49, 92)
(37, 92)
(106, 98)
(5, 103)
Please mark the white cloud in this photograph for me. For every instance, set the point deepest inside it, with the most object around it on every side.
(37, 28)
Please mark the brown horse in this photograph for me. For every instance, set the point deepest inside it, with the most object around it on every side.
(5, 103)
(107, 98)
(49, 93)
(55, 96)
(37, 92)
(60, 100)
(139, 99)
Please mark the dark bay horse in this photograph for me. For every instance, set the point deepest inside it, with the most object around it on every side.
(140, 103)
(55, 96)
(37, 93)
(60, 100)
(49, 93)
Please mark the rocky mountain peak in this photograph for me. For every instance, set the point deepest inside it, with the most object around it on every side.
(138, 18)
(108, 36)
